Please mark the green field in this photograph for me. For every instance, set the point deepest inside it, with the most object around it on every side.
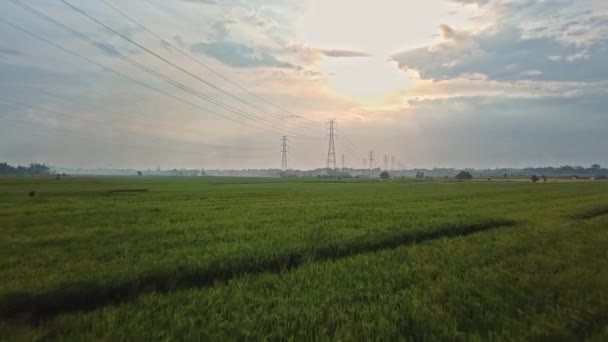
(138, 258)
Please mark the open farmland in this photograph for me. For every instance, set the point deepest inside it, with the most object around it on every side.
(236, 258)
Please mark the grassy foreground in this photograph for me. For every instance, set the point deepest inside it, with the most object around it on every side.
(229, 258)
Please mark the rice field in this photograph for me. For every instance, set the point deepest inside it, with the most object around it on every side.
(149, 258)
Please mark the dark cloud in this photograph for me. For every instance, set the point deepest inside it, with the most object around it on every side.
(239, 55)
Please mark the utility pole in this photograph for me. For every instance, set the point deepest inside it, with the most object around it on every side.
(371, 162)
(392, 163)
(364, 163)
(342, 162)
(331, 150)
(385, 162)
(284, 152)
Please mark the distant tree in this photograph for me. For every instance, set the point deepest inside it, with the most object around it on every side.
(385, 175)
(505, 176)
(6, 169)
(544, 178)
(534, 178)
(34, 169)
(139, 173)
(464, 175)
(596, 167)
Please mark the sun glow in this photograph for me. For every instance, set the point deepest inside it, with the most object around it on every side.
(364, 78)
(379, 28)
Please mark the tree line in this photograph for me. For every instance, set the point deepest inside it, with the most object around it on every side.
(34, 169)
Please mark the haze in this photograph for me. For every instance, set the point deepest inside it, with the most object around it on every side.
(446, 83)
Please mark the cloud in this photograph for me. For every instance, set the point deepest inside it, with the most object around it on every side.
(9, 52)
(240, 55)
(446, 32)
(491, 131)
(479, 86)
(312, 56)
(16, 76)
(509, 51)
(206, 2)
(343, 53)
(470, 2)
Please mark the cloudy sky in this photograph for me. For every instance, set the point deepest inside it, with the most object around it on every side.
(216, 83)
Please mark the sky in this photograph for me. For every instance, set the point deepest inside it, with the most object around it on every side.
(216, 84)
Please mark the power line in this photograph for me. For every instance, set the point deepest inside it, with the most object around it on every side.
(117, 72)
(42, 109)
(348, 148)
(145, 120)
(351, 144)
(156, 74)
(44, 129)
(156, 55)
(197, 61)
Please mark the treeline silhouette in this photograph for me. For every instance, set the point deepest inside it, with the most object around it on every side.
(34, 169)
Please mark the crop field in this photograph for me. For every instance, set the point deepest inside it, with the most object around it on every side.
(145, 258)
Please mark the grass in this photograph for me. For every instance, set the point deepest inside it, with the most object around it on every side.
(235, 258)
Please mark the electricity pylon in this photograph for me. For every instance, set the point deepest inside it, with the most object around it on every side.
(284, 152)
(331, 150)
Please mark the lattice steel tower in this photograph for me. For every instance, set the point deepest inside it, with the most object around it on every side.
(284, 152)
(331, 150)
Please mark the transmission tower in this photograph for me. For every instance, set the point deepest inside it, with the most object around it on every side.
(385, 162)
(342, 162)
(371, 162)
(284, 152)
(331, 151)
(392, 163)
